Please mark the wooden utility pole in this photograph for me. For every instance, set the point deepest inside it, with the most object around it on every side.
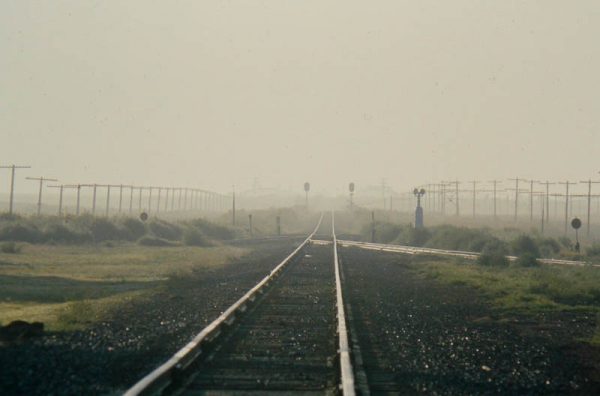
(131, 199)
(547, 184)
(495, 191)
(589, 202)
(12, 183)
(475, 183)
(233, 208)
(61, 187)
(41, 180)
(567, 184)
(456, 183)
(517, 191)
(531, 192)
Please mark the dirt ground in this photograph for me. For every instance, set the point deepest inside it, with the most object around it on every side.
(418, 335)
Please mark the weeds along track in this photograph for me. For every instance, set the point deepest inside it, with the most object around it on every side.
(281, 337)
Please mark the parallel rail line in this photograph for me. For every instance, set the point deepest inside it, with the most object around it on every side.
(441, 252)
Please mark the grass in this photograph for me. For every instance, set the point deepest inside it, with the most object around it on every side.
(68, 287)
(522, 290)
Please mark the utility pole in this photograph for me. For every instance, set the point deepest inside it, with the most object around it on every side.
(456, 183)
(567, 184)
(158, 200)
(140, 199)
(589, 202)
(95, 186)
(167, 199)
(60, 198)
(41, 180)
(250, 223)
(547, 211)
(120, 197)
(475, 182)
(233, 209)
(108, 200)
(131, 199)
(495, 191)
(12, 183)
(531, 192)
(149, 200)
(517, 191)
(443, 198)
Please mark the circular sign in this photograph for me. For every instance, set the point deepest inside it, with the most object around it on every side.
(143, 216)
(422, 192)
(351, 187)
(307, 186)
(576, 223)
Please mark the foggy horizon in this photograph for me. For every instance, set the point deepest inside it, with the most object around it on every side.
(215, 94)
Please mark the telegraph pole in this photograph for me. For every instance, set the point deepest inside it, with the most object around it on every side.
(547, 184)
(456, 183)
(60, 198)
(107, 200)
(158, 200)
(475, 182)
(233, 209)
(41, 180)
(12, 183)
(120, 198)
(149, 200)
(495, 191)
(589, 202)
(531, 199)
(131, 199)
(517, 191)
(567, 183)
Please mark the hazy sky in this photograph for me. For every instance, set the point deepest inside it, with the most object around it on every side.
(212, 93)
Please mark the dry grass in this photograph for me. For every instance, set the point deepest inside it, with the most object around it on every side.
(68, 287)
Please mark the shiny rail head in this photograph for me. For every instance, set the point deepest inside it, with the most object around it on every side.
(161, 377)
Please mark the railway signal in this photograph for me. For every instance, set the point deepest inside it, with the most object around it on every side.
(306, 190)
(576, 224)
(419, 211)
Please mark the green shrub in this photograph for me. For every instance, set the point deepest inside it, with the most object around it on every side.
(526, 260)
(134, 227)
(105, 230)
(212, 230)
(56, 232)
(494, 254)
(459, 238)
(193, 237)
(21, 232)
(154, 241)
(413, 236)
(548, 247)
(593, 251)
(523, 245)
(165, 230)
(10, 247)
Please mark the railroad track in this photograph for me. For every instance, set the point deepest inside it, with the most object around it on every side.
(442, 252)
(286, 335)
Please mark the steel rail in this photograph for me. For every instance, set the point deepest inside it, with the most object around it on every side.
(346, 371)
(161, 377)
(456, 253)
